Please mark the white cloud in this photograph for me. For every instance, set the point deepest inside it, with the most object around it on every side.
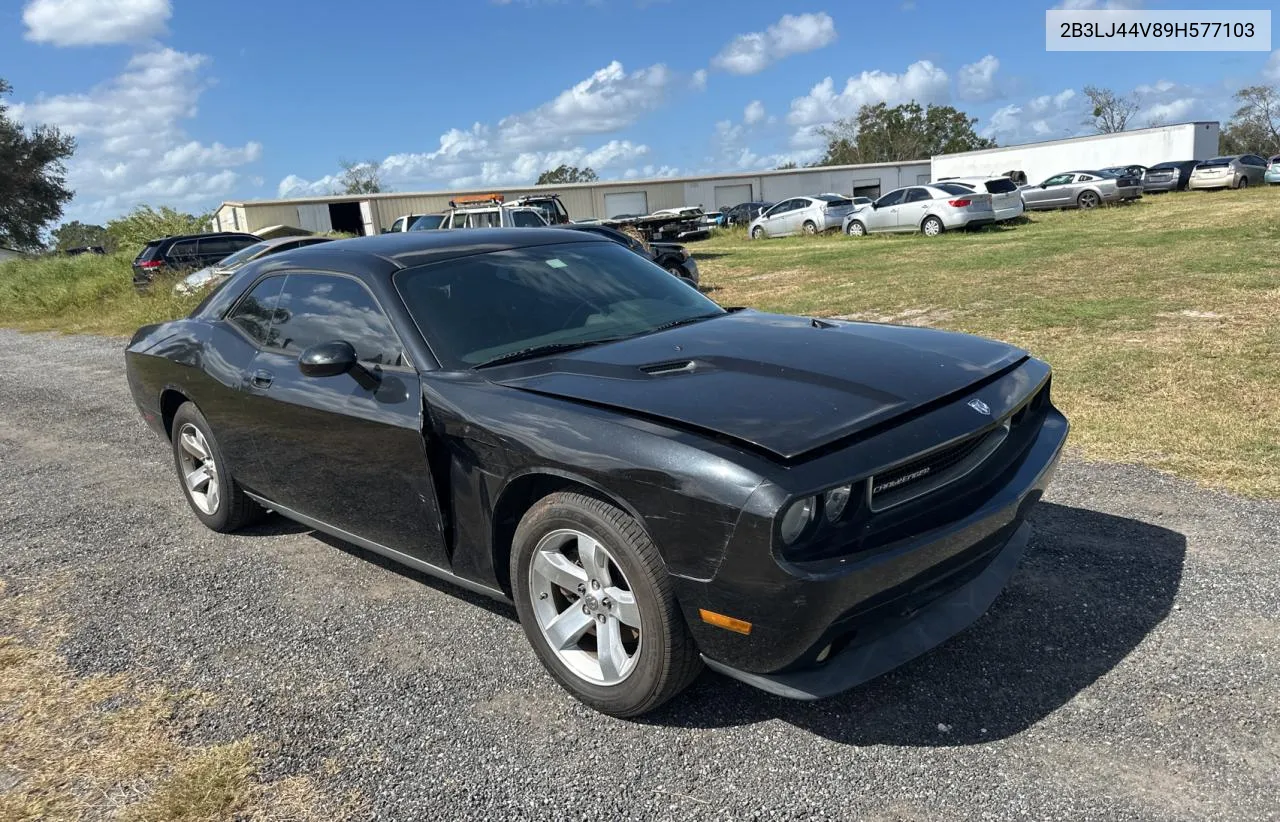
(131, 145)
(1046, 117)
(520, 146)
(699, 80)
(94, 22)
(1105, 5)
(793, 34)
(753, 113)
(922, 81)
(1271, 71)
(976, 82)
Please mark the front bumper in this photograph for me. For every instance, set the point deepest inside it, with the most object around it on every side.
(941, 582)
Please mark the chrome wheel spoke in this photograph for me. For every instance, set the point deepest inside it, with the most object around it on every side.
(198, 478)
(595, 559)
(194, 445)
(211, 496)
(567, 629)
(623, 606)
(557, 570)
(609, 651)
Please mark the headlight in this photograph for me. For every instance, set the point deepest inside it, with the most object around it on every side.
(796, 519)
(835, 500)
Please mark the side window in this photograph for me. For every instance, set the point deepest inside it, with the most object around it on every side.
(1254, 160)
(398, 225)
(183, 252)
(893, 198)
(253, 314)
(526, 219)
(915, 195)
(213, 249)
(1058, 180)
(316, 308)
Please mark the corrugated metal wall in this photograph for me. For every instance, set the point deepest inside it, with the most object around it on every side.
(588, 201)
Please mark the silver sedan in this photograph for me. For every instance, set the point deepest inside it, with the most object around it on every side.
(930, 209)
(1081, 189)
(801, 215)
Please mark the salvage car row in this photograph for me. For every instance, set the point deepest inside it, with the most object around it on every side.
(954, 203)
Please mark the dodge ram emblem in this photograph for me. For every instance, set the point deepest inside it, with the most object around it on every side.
(980, 406)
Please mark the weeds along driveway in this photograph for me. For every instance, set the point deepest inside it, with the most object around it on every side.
(1129, 672)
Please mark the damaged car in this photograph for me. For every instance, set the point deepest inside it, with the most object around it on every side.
(657, 483)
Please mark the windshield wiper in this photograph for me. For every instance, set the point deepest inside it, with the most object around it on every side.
(685, 321)
(542, 350)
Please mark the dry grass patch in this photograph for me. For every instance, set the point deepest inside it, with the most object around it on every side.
(1161, 319)
(104, 746)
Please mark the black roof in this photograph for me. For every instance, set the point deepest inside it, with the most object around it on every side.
(406, 249)
(204, 234)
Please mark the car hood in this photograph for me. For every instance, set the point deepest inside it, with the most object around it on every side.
(786, 385)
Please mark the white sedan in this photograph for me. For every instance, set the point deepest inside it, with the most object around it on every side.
(930, 209)
(801, 215)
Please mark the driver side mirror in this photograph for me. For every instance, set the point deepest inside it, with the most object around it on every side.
(333, 358)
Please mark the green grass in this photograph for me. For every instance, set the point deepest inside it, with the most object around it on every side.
(1161, 319)
(87, 294)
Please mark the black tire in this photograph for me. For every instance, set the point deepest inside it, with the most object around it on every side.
(855, 228)
(810, 227)
(1244, 183)
(667, 660)
(234, 509)
(1088, 199)
(757, 233)
(938, 227)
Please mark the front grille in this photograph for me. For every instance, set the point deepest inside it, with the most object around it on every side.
(931, 471)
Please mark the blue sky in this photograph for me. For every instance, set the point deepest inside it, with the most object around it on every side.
(191, 104)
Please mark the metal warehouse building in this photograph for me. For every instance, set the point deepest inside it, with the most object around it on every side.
(1142, 146)
(370, 213)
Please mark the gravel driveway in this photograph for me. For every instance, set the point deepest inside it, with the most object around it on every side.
(1130, 671)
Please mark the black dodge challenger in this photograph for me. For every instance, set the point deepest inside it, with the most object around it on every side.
(656, 482)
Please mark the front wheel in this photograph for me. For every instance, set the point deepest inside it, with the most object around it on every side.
(595, 602)
(855, 229)
(932, 226)
(757, 233)
(1088, 199)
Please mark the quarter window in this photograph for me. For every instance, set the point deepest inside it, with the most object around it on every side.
(316, 308)
(915, 195)
(253, 314)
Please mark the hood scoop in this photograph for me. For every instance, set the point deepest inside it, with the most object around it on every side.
(663, 369)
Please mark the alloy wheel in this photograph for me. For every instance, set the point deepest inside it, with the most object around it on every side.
(932, 228)
(199, 471)
(584, 607)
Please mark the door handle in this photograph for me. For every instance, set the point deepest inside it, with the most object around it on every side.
(261, 379)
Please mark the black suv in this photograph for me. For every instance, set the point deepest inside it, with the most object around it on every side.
(186, 252)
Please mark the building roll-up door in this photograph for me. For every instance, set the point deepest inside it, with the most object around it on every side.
(730, 196)
(627, 202)
(315, 218)
(366, 216)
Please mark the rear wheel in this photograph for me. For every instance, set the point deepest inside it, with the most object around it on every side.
(810, 227)
(932, 226)
(1244, 183)
(211, 491)
(1088, 199)
(757, 233)
(595, 602)
(855, 229)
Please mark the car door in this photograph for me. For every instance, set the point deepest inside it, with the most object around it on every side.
(1054, 191)
(1255, 167)
(772, 220)
(883, 214)
(345, 450)
(915, 204)
(184, 254)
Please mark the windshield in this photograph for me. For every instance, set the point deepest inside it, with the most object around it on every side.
(427, 222)
(243, 256)
(476, 309)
